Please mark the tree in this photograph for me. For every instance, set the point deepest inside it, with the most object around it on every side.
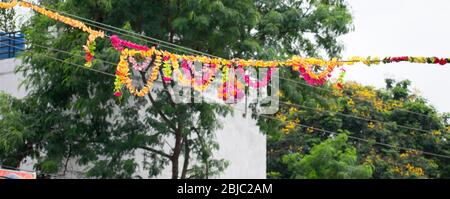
(333, 158)
(78, 116)
(12, 132)
(394, 115)
(82, 120)
(8, 20)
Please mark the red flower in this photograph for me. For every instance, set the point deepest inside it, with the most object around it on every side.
(118, 94)
(436, 60)
(89, 57)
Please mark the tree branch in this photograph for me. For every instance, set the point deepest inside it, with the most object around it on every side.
(161, 114)
(161, 153)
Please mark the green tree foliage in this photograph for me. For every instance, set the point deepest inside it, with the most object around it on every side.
(12, 132)
(393, 115)
(333, 158)
(74, 115)
(8, 20)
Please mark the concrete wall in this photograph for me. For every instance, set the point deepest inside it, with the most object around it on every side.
(241, 143)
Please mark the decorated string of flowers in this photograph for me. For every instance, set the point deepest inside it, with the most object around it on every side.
(387, 60)
(8, 5)
(90, 46)
(313, 70)
(207, 77)
(123, 70)
(170, 65)
(257, 84)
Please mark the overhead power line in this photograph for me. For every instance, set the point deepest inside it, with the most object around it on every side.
(285, 103)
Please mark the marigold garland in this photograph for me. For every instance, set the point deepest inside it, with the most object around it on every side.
(122, 72)
(314, 71)
(89, 48)
(8, 5)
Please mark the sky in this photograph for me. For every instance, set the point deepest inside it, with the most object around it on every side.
(402, 28)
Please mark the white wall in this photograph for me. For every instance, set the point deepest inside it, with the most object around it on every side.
(241, 142)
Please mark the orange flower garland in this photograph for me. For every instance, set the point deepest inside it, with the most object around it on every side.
(8, 5)
(93, 34)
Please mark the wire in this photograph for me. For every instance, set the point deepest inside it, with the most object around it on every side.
(235, 108)
(151, 40)
(296, 82)
(289, 104)
(133, 34)
(305, 126)
(64, 61)
(348, 95)
(352, 137)
(57, 50)
(352, 116)
(154, 40)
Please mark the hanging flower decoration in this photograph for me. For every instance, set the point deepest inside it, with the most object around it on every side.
(208, 75)
(140, 66)
(307, 68)
(120, 44)
(258, 84)
(167, 67)
(122, 72)
(314, 71)
(89, 48)
(8, 5)
(340, 80)
(236, 89)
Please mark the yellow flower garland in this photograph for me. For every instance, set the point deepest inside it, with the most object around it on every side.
(93, 34)
(8, 5)
(123, 70)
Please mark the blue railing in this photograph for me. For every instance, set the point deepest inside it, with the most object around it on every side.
(11, 44)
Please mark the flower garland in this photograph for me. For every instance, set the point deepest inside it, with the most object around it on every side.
(314, 71)
(167, 67)
(258, 84)
(237, 90)
(122, 72)
(8, 5)
(387, 60)
(140, 66)
(201, 85)
(89, 48)
(306, 69)
(340, 80)
(120, 44)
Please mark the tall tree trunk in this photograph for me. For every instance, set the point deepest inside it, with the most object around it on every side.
(176, 153)
(186, 157)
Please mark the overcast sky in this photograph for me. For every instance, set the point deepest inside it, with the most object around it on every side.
(402, 28)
